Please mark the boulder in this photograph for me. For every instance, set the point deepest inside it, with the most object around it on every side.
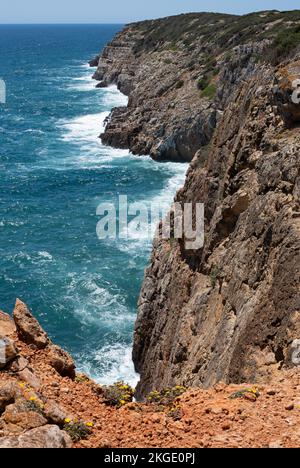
(21, 368)
(28, 376)
(8, 351)
(7, 325)
(18, 365)
(54, 413)
(42, 437)
(19, 418)
(9, 392)
(28, 328)
(61, 361)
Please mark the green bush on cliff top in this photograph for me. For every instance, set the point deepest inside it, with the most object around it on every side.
(287, 41)
(210, 91)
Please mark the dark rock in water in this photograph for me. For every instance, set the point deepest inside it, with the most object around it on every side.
(94, 62)
(101, 85)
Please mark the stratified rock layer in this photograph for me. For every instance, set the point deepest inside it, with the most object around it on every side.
(175, 95)
(231, 310)
(180, 73)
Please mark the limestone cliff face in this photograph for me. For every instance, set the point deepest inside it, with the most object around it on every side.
(231, 310)
(176, 81)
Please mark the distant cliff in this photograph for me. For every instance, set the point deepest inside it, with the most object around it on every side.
(216, 89)
(180, 73)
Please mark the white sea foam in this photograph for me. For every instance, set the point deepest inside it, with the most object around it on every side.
(112, 97)
(94, 302)
(46, 255)
(86, 66)
(86, 128)
(34, 130)
(116, 362)
(159, 203)
(81, 84)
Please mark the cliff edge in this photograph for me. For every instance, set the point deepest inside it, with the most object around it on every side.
(217, 90)
(230, 311)
(45, 403)
(180, 73)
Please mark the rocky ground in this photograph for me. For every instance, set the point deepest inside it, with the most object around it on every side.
(42, 397)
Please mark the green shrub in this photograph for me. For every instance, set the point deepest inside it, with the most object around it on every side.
(176, 413)
(214, 276)
(210, 64)
(210, 91)
(166, 397)
(35, 406)
(287, 41)
(173, 47)
(77, 430)
(81, 378)
(118, 394)
(203, 83)
(179, 84)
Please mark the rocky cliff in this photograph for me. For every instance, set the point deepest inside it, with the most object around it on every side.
(45, 403)
(180, 73)
(218, 90)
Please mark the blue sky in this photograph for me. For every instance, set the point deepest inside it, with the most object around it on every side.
(122, 11)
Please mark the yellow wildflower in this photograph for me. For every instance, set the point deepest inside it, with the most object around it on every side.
(32, 398)
(67, 421)
(123, 402)
(89, 424)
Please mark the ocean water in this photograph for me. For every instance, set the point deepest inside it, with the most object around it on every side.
(54, 172)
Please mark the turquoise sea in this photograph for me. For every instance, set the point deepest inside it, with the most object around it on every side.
(54, 172)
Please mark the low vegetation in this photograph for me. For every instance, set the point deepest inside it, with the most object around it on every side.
(167, 396)
(118, 394)
(77, 430)
(285, 43)
(210, 91)
(179, 84)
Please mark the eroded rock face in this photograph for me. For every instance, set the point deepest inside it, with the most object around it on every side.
(28, 327)
(61, 361)
(28, 417)
(178, 79)
(230, 311)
